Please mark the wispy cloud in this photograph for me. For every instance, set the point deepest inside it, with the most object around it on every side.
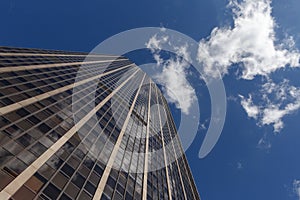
(251, 109)
(250, 43)
(264, 143)
(182, 51)
(173, 77)
(155, 43)
(175, 85)
(296, 188)
(239, 165)
(276, 100)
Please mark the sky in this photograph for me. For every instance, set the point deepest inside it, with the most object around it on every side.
(254, 44)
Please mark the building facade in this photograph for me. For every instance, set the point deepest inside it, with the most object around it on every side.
(86, 127)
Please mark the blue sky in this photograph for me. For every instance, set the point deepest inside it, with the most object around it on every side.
(250, 160)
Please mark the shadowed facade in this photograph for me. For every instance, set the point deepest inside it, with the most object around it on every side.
(78, 126)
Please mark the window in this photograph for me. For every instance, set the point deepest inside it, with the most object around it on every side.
(51, 191)
(84, 196)
(35, 182)
(72, 190)
(65, 197)
(34, 120)
(22, 112)
(111, 182)
(26, 157)
(128, 196)
(90, 188)
(98, 169)
(79, 153)
(94, 178)
(68, 170)
(60, 180)
(120, 189)
(38, 149)
(17, 166)
(4, 156)
(55, 162)
(44, 128)
(117, 195)
(78, 180)
(108, 191)
(104, 197)
(25, 140)
(24, 193)
(5, 179)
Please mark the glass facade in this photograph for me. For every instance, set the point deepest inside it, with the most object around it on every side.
(77, 128)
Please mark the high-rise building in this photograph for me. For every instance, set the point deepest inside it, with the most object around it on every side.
(86, 127)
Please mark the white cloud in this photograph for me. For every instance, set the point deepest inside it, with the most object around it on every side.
(281, 99)
(276, 101)
(183, 52)
(296, 188)
(163, 29)
(173, 77)
(155, 42)
(205, 124)
(251, 109)
(280, 90)
(273, 115)
(175, 85)
(250, 43)
(158, 59)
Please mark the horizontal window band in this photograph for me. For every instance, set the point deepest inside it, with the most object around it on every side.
(23, 103)
(31, 67)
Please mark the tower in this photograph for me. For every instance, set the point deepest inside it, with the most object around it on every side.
(78, 128)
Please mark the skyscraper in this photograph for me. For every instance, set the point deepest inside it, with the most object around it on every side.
(86, 127)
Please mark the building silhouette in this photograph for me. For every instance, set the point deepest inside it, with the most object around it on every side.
(86, 127)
